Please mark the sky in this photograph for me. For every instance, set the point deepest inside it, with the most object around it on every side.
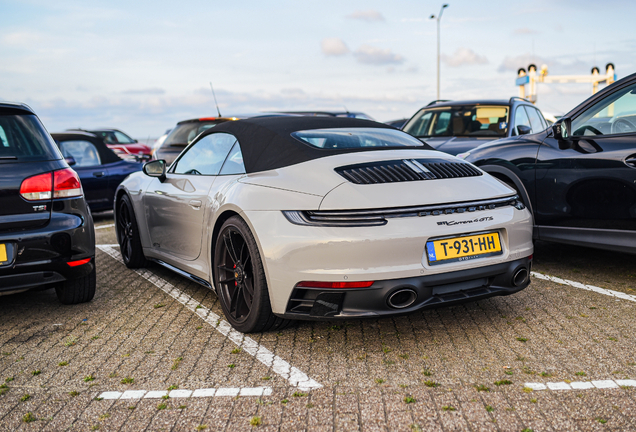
(141, 66)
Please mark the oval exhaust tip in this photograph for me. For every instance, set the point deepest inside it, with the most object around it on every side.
(520, 277)
(402, 298)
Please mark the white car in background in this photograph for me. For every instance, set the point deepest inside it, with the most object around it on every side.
(324, 218)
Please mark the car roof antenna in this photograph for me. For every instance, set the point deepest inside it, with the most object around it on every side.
(215, 102)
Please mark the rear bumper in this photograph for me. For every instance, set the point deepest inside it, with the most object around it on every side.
(401, 296)
(40, 257)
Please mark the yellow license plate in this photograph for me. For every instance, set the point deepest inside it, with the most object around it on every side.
(463, 248)
(3, 253)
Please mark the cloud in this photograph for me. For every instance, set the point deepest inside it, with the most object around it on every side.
(377, 56)
(369, 16)
(463, 57)
(146, 91)
(333, 47)
(19, 39)
(525, 31)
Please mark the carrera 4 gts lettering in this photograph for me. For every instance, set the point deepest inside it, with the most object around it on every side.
(451, 223)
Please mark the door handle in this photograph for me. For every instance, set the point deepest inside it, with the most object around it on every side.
(98, 174)
(195, 204)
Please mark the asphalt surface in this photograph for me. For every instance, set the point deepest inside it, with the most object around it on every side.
(467, 367)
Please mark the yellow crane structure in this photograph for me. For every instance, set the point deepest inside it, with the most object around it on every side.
(527, 81)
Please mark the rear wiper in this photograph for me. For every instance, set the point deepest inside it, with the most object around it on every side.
(178, 145)
(8, 157)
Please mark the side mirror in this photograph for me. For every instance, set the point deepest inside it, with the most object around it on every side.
(523, 129)
(156, 169)
(562, 132)
(70, 160)
(562, 129)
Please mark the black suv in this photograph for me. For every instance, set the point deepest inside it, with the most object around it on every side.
(579, 176)
(458, 126)
(47, 238)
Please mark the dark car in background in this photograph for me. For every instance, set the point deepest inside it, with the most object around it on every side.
(458, 126)
(47, 237)
(183, 134)
(579, 176)
(99, 168)
(121, 143)
(187, 130)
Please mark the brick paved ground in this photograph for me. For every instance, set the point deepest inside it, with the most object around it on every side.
(432, 370)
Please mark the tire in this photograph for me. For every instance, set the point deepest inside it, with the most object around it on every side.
(128, 235)
(240, 280)
(76, 291)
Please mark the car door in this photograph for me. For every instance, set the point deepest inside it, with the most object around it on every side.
(177, 207)
(93, 175)
(590, 180)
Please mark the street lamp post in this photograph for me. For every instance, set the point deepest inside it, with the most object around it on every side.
(438, 18)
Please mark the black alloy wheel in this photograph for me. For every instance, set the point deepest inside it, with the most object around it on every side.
(240, 280)
(236, 274)
(128, 235)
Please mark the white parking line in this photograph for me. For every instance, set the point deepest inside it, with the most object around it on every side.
(607, 292)
(582, 385)
(279, 366)
(104, 226)
(208, 392)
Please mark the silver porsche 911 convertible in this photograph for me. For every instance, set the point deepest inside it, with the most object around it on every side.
(308, 218)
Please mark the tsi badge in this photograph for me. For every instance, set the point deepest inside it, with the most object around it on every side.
(39, 208)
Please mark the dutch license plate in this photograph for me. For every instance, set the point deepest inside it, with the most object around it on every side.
(3, 253)
(463, 248)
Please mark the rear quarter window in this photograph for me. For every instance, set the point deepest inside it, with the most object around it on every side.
(23, 138)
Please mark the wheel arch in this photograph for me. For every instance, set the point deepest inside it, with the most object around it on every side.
(508, 176)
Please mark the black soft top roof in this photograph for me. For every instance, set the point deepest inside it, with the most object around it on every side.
(266, 142)
(106, 155)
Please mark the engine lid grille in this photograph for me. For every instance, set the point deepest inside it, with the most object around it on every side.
(406, 170)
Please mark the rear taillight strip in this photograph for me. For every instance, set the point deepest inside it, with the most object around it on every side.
(64, 183)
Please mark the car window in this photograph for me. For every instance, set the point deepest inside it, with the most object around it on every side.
(84, 152)
(345, 138)
(614, 114)
(420, 125)
(535, 119)
(22, 137)
(521, 119)
(123, 138)
(467, 120)
(234, 162)
(206, 156)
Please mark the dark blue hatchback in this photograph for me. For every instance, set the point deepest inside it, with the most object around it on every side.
(99, 168)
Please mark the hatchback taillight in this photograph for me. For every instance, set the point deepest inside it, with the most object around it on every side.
(39, 187)
(64, 183)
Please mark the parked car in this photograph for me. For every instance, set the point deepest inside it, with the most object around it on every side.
(187, 130)
(100, 170)
(47, 238)
(578, 177)
(459, 126)
(183, 134)
(122, 144)
(323, 217)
